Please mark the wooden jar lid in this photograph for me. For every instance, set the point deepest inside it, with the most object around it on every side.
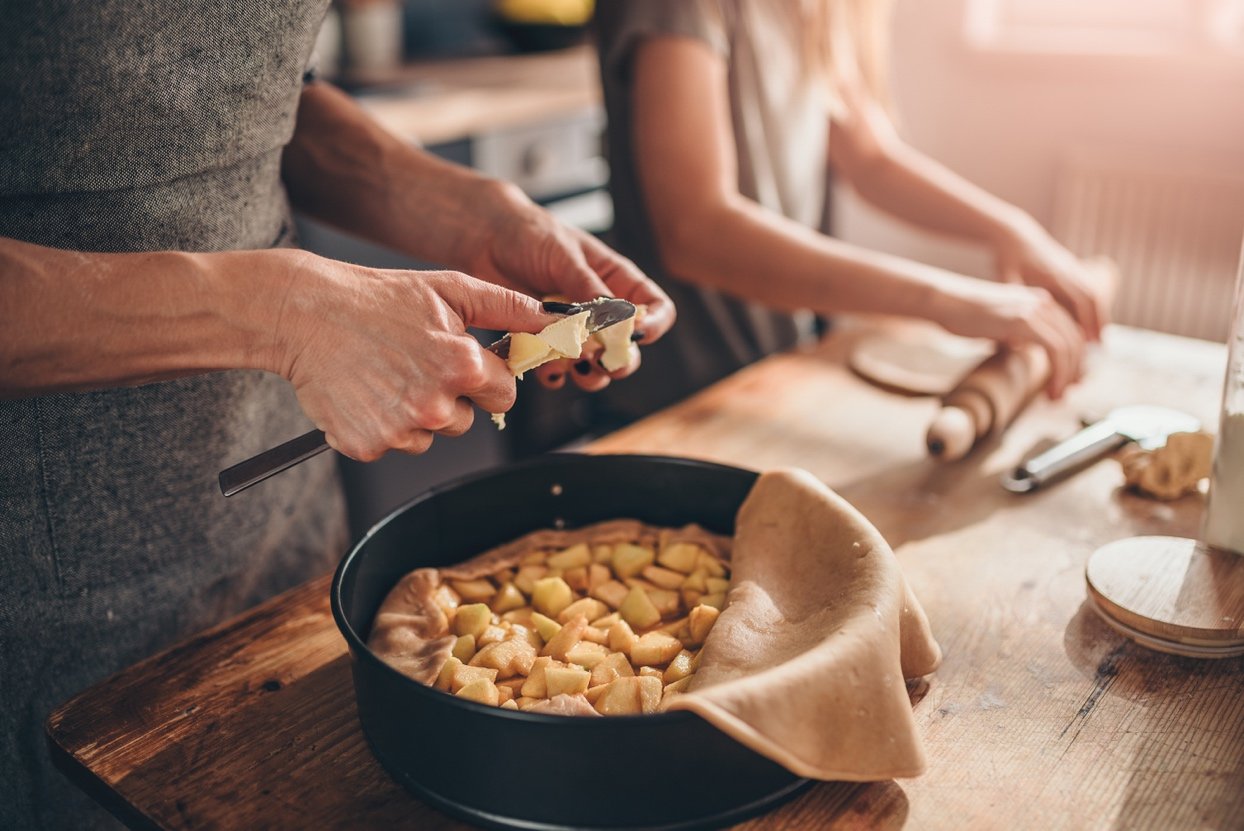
(1171, 594)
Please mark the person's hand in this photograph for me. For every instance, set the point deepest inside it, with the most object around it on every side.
(527, 249)
(382, 360)
(1015, 315)
(1030, 255)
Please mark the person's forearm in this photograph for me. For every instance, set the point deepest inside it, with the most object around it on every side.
(344, 169)
(909, 185)
(75, 321)
(743, 249)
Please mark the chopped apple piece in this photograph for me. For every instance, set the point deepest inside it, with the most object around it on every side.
(596, 575)
(551, 595)
(505, 693)
(649, 672)
(679, 686)
(616, 340)
(588, 607)
(576, 578)
(519, 617)
(509, 658)
(614, 666)
(464, 648)
(533, 558)
(663, 578)
(655, 648)
(464, 675)
(567, 336)
(630, 696)
(622, 637)
(638, 611)
(677, 628)
(602, 553)
(444, 681)
(569, 635)
(481, 690)
(545, 626)
(503, 576)
(717, 585)
(447, 599)
(629, 559)
(700, 622)
(534, 686)
(525, 578)
(607, 621)
(679, 668)
(513, 684)
(717, 601)
(474, 591)
(697, 580)
(594, 634)
(611, 592)
(710, 564)
(511, 704)
(680, 556)
(666, 602)
(593, 693)
(527, 351)
(472, 619)
(526, 703)
(529, 634)
(586, 654)
(575, 555)
(507, 599)
(491, 634)
(568, 681)
(690, 598)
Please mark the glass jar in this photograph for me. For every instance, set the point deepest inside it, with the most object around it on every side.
(1224, 514)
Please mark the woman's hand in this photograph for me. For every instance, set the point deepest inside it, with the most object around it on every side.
(1031, 256)
(1014, 315)
(382, 360)
(527, 249)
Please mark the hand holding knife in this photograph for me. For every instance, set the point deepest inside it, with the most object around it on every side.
(603, 313)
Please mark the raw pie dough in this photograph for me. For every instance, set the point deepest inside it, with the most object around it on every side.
(607, 620)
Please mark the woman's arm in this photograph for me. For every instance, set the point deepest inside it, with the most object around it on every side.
(711, 235)
(345, 169)
(380, 359)
(883, 169)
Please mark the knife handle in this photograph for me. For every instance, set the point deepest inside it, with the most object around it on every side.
(254, 470)
(1085, 447)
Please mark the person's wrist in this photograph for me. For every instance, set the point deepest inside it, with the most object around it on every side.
(257, 292)
(493, 203)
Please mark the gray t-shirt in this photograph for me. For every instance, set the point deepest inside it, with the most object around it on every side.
(144, 125)
(780, 121)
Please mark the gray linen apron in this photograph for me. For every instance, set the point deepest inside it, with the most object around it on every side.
(129, 126)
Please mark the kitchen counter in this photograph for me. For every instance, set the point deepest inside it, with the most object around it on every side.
(1040, 716)
(441, 101)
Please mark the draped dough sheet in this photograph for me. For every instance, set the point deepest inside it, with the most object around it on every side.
(807, 663)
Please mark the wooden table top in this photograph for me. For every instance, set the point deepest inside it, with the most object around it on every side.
(1040, 716)
(439, 101)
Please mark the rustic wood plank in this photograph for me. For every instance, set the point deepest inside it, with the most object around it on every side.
(1040, 717)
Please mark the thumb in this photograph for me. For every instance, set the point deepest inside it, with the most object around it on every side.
(488, 306)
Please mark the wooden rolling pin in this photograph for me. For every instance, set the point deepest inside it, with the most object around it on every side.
(987, 400)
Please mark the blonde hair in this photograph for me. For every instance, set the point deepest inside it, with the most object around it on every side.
(847, 43)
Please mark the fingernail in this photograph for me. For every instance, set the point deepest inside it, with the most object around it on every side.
(583, 367)
(555, 377)
(637, 335)
(557, 308)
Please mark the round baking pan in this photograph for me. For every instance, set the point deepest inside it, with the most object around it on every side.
(507, 769)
